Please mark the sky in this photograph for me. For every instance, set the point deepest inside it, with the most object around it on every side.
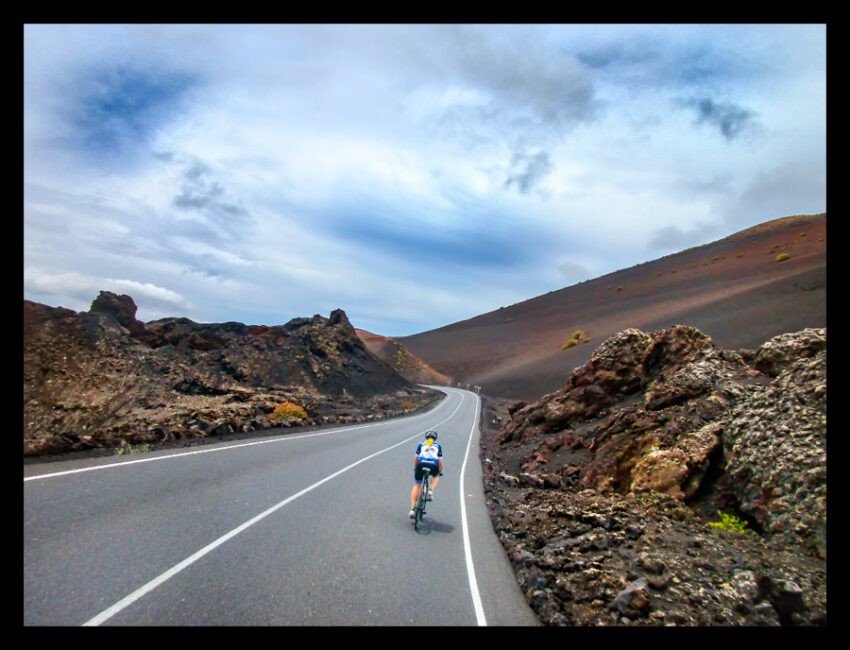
(413, 175)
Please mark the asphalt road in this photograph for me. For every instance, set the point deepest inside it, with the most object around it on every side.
(297, 529)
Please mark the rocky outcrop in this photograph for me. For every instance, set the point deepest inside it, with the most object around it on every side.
(102, 379)
(603, 490)
(775, 446)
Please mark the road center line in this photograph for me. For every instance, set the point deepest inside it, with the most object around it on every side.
(111, 611)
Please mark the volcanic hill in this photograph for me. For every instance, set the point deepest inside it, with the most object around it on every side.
(409, 366)
(102, 379)
(740, 291)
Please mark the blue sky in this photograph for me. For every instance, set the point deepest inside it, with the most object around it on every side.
(412, 175)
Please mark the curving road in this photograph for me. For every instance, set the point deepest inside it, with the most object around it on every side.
(299, 529)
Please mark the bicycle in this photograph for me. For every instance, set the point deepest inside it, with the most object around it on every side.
(419, 509)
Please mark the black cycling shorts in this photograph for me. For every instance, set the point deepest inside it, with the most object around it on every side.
(418, 473)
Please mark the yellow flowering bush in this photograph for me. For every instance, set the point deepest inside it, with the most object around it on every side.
(577, 337)
(288, 411)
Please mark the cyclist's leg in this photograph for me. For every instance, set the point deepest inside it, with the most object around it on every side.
(435, 478)
(417, 485)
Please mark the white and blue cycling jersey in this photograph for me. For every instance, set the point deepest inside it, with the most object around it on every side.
(429, 453)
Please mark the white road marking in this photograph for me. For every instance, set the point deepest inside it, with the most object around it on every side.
(208, 450)
(467, 547)
(111, 611)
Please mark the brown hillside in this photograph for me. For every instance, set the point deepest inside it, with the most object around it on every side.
(734, 290)
(408, 365)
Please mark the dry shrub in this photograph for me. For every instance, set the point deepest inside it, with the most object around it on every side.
(578, 337)
(288, 411)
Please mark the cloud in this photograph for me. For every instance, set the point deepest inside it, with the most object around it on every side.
(573, 272)
(504, 86)
(76, 291)
(410, 174)
(526, 79)
(198, 193)
(782, 190)
(116, 111)
(155, 299)
(529, 169)
(671, 239)
(731, 119)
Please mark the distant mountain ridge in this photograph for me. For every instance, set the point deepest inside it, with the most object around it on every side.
(740, 290)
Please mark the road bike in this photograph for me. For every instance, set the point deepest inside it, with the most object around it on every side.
(419, 509)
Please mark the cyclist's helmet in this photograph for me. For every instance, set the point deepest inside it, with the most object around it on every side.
(431, 434)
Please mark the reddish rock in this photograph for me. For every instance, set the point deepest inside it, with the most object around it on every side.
(675, 430)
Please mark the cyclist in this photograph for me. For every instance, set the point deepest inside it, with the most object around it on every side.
(429, 453)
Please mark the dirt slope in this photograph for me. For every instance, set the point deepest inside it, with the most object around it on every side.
(398, 357)
(734, 290)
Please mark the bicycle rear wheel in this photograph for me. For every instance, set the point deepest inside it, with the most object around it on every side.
(420, 502)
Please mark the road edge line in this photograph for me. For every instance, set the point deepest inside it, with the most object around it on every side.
(467, 547)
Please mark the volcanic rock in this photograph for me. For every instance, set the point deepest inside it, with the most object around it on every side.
(653, 438)
(102, 380)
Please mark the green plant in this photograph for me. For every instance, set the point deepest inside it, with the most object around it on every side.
(577, 337)
(288, 411)
(729, 522)
(127, 448)
(782, 257)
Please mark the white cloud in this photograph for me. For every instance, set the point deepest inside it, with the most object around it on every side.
(76, 291)
(418, 174)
